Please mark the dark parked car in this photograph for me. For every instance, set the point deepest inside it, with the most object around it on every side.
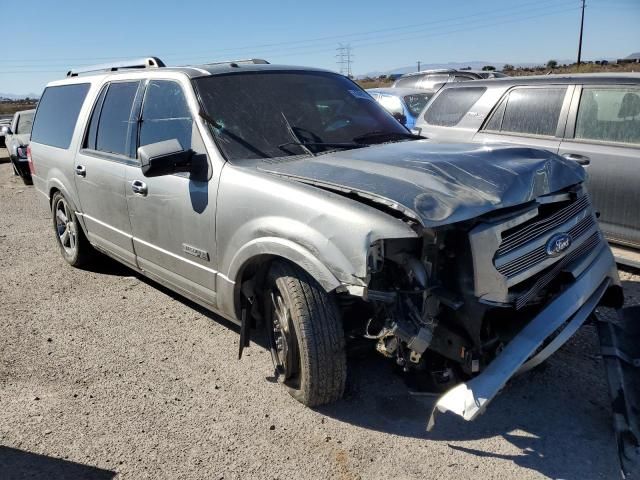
(405, 104)
(591, 119)
(16, 138)
(432, 78)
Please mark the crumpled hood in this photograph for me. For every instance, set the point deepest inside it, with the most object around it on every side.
(436, 184)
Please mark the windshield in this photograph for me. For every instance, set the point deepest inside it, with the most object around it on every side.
(416, 102)
(269, 114)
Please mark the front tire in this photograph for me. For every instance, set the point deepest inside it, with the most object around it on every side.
(305, 336)
(74, 246)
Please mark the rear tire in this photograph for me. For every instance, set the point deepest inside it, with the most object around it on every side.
(74, 246)
(305, 335)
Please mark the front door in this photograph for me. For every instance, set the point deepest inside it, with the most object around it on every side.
(604, 134)
(173, 216)
(100, 170)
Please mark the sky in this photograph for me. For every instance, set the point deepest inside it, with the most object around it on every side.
(54, 36)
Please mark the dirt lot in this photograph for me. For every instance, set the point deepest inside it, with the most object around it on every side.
(103, 375)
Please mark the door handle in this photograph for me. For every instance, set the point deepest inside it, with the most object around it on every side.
(574, 157)
(81, 171)
(139, 188)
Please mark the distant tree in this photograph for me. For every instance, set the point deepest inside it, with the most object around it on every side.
(488, 68)
(508, 66)
(552, 64)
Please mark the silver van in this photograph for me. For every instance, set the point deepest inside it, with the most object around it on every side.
(286, 198)
(590, 119)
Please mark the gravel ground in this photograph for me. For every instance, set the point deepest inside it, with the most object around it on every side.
(104, 374)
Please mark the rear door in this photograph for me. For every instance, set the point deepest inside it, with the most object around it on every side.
(604, 131)
(529, 116)
(100, 169)
(172, 216)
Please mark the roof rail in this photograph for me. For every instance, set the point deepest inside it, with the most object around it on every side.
(255, 61)
(147, 62)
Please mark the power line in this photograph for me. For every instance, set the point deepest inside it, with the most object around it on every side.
(528, 6)
(345, 58)
(465, 26)
(581, 29)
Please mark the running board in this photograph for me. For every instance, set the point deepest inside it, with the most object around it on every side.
(620, 347)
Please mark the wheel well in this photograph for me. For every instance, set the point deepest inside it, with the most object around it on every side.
(52, 192)
(251, 279)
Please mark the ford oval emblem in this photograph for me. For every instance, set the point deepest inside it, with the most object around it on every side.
(558, 244)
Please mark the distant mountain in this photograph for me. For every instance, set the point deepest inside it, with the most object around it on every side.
(13, 96)
(474, 64)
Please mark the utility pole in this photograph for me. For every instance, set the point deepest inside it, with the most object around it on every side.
(581, 29)
(418, 65)
(345, 59)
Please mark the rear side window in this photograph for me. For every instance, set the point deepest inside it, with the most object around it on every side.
(448, 108)
(165, 114)
(114, 126)
(609, 115)
(25, 122)
(407, 81)
(532, 111)
(57, 114)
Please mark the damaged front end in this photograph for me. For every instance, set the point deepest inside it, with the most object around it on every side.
(466, 306)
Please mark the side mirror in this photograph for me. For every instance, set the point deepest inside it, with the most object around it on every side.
(5, 130)
(164, 158)
(402, 118)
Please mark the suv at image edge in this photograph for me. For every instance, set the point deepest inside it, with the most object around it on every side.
(591, 119)
(16, 136)
(287, 198)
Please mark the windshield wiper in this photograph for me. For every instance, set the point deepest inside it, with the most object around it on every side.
(382, 134)
(324, 144)
(297, 141)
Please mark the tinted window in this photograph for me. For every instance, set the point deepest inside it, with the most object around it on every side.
(416, 102)
(266, 114)
(534, 111)
(25, 122)
(165, 114)
(115, 118)
(448, 108)
(90, 141)
(610, 115)
(57, 114)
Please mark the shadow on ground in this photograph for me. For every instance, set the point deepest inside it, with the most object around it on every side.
(555, 416)
(18, 465)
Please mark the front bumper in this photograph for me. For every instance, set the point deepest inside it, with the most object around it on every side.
(572, 308)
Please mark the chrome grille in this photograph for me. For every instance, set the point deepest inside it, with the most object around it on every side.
(521, 236)
(587, 246)
(510, 260)
(525, 262)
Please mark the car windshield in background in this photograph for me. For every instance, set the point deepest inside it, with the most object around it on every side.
(275, 114)
(416, 102)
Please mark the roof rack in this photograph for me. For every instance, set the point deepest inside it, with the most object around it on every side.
(234, 63)
(147, 62)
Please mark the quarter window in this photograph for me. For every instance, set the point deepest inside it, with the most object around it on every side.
(25, 122)
(448, 108)
(114, 126)
(609, 115)
(57, 114)
(532, 111)
(166, 115)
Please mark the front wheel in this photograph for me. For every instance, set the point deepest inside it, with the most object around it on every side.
(74, 246)
(305, 336)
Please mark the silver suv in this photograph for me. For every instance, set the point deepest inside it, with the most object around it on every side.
(287, 198)
(590, 119)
